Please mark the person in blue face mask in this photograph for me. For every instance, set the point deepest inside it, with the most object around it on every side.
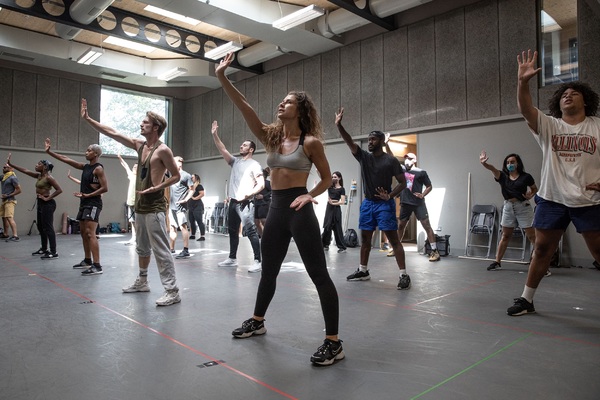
(518, 187)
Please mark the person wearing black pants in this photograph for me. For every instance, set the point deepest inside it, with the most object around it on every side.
(196, 209)
(333, 213)
(45, 205)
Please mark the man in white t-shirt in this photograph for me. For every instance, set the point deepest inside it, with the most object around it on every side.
(246, 180)
(570, 185)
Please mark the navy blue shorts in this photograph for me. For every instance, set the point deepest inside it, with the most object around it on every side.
(551, 215)
(379, 213)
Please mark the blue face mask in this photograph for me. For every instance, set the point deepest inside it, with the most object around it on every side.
(511, 167)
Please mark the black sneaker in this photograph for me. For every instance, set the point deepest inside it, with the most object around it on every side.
(93, 270)
(250, 327)
(359, 275)
(192, 237)
(40, 252)
(495, 266)
(183, 254)
(328, 353)
(404, 282)
(597, 264)
(49, 256)
(13, 239)
(82, 265)
(201, 239)
(521, 306)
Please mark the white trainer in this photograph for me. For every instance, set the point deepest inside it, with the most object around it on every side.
(138, 286)
(256, 267)
(170, 297)
(230, 262)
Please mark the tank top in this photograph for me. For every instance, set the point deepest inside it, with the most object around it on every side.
(296, 160)
(42, 183)
(87, 180)
(151, 202)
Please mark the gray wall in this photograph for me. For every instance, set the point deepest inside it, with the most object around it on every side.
(448, 79)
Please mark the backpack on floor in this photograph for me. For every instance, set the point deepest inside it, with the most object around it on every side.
(351, 238)
(114, 227)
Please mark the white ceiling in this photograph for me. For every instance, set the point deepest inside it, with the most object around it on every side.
(31, 40)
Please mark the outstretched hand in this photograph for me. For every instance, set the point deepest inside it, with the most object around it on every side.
(47, 145)
(339, 116)
(214, 128)
(483, 157)
(527, 65)
(84, 113)
(8, 159)
(225, 62)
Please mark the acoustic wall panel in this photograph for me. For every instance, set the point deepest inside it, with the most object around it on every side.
(252, 93)
(481, 58)
(312, 80)
(450, 75)
(395, 77)
(330, 92)
(421, 70)
(6, 83)
(265, 106)
(240, 128)
(350, 88)
(24, 95)
(90, 92)
(280, 89)
(589, 45)
(74, 134)
(46, 110)
(295, 76)
(371, 84)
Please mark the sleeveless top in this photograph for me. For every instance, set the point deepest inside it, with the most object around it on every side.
(150, 202)
(296, 160)
(87, 180)
(42, 183)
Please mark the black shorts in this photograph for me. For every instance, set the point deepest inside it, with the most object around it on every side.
(88, 213)
(407, 209)
(261, 211)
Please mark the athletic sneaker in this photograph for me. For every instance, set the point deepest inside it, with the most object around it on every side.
(93, 270)
(130, 243)
(495, 266)
(256, 267)
(230, 262)
(49, 256)
(328, 353)
(82, 265)
(434, 255)
(391, 253)
(13, 239)
(137, 286)
(359, 275)
(250, 327)
(548, 273)
(521, 306)
(168, 298)
(404, 282)
(40, 252)
(192, 237)
(201, 239)
(184, 254)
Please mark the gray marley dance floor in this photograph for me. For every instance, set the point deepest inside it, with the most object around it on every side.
(65, 336)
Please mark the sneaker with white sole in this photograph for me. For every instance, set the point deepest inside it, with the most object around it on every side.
(250, 327)
(184, 254)
(434, 255)
(521, 306)
(404, 282)
(168, 298)
(256, 267)
(49, 256)
(495, 266)
(359, 275)
(82, 265)
(93, 270)
(40, 252)
(137, 286)
(329, 352)
(230, 262)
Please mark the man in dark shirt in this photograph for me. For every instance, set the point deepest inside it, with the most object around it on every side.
(378, 209)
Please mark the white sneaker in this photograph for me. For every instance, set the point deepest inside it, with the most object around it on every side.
(138, 286)
(256, 267)
(230, 262)
(170, 297)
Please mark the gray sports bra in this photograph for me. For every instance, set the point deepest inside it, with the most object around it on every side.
(296, 160)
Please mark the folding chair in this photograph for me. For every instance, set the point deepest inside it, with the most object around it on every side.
(518, 233)
(483, 222)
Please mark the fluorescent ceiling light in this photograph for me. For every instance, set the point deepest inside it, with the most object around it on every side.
(172, 15)
(129, 44)
(223, 50)
(172, 74)
(299, 17)
(90, 55)
(549, 24)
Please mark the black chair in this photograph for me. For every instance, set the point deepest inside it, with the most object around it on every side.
(483, 223)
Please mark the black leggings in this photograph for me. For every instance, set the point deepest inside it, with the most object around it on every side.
(195, 215)
(284, 223)
(45, 223)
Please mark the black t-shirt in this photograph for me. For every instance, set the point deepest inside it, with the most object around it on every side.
(89, 184)
(336, 193)
(196, 203)
(377, 172)
(416, 179)
(517, 188)
(266, 193)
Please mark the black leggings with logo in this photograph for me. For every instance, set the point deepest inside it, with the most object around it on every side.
(284, 223)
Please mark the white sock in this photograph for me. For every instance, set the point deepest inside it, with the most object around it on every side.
(433, 246)
(528, 293)
(363, 268)
(402, 272)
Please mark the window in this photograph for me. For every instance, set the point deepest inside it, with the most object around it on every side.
(558, 54)
(124, 110)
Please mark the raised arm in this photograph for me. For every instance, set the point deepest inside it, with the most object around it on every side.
(345, 135)
(220, 146)
(107, 130)
(125, 165)
(527, 70)
(71, 177)
(483, 158)
(25, 171)
(60, 157)
(238, 99)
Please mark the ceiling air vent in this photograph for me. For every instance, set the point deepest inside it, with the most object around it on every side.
(111, 75)
(16, 56)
